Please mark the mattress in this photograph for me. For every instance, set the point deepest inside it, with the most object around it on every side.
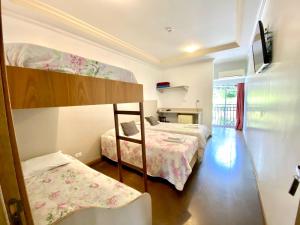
(38, 57)
(165, 158)
(58, 192)
(199, 131)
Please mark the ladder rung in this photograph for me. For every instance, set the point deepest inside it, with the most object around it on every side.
(132, 166)
(130, 139)
(126, 112)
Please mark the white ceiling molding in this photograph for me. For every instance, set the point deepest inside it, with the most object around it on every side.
(85, 27)
(197, 55)
(97, 35)
(12, 14)
(239, 20)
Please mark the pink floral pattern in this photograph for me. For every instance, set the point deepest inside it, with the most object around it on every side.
(38, 57)
(89, 188)
(199, 131)
(165, 159)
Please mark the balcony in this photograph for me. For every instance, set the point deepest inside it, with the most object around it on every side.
(224, 115)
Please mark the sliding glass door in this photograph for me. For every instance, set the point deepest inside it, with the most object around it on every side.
(224, 105)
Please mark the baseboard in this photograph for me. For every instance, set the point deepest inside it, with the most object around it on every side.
(260, 198)
(91, 163)
(256, 179)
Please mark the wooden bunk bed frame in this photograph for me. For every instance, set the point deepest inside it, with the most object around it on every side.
(23, 88)
(34, 88)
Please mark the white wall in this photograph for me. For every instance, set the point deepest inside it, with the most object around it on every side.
(71, 129)
(36, 131)
(198, 77)
(81, 127)
(272, 125)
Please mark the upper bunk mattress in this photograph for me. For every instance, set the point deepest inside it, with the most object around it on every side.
(38, 57)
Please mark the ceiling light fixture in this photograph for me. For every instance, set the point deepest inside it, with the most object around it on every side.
(191, 48)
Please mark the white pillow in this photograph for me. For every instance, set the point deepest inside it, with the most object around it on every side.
(37, 165)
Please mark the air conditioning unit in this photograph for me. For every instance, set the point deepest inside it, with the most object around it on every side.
(232, 73)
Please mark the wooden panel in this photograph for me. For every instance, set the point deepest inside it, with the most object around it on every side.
(122, 92)
(118, 143)
(11, 177)
(141, 106)
(32, 88)
(129, 139)
(297, 222)
(3, 212)
(126, 112)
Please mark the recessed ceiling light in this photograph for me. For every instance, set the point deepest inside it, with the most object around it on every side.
(191, 48)
(169, 29)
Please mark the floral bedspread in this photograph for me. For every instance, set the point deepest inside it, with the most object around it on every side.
(58, 192)
(38, 57)
(199, 131)
(165, 159)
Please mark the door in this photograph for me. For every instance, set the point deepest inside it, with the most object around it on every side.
(11, 178)
(298, 216)
(224, 105)
(3, 212)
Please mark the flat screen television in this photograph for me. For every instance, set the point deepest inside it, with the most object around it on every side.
(261, 49)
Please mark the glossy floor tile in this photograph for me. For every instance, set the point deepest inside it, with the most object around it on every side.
(220, 191)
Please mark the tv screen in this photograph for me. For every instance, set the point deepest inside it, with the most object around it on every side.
(261, 56)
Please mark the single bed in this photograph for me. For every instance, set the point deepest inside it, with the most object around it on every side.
(197, 130)
(169, 156)
(59, 185)
(43, 58)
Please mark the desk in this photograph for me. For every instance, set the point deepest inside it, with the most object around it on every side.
(171, 114)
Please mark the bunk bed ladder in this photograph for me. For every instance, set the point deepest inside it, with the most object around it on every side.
(141, 142)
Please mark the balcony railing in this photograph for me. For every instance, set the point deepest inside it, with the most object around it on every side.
(224, 115)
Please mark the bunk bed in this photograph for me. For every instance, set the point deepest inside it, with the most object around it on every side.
(39, 77)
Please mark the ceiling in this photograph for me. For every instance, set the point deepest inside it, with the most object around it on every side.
(138, 28)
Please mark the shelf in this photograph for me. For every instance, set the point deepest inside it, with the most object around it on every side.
(179, 110)
(185, 88)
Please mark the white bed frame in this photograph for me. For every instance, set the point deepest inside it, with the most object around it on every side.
(136, 212)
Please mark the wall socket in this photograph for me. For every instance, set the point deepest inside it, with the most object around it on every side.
(78, 154)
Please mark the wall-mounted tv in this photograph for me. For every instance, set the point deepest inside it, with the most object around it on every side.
(261, 48)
